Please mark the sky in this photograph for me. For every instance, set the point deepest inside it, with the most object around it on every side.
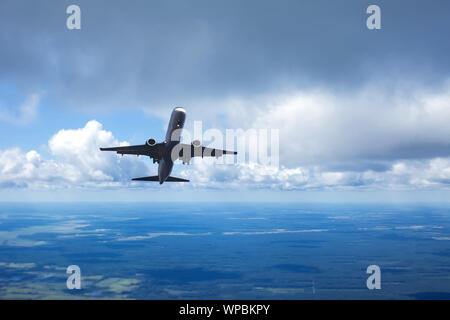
(362, 114)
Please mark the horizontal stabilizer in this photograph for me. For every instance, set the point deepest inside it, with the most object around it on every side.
(173, 179)
(153, 178)
(156, 178)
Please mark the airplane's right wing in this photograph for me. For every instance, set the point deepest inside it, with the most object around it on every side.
(187, 151)
(144, 150)
(211, 152)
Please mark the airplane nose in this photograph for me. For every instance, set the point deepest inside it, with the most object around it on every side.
(179, 109)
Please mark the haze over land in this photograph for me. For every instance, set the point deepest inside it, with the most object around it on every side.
(224, 251)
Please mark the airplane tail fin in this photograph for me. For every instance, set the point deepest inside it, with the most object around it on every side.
(156, 178)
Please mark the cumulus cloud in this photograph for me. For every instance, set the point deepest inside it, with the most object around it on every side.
(75, 161)
(379, 138)
(400, 175)
(79, 149)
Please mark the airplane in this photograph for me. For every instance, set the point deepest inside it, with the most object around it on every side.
(171, 149)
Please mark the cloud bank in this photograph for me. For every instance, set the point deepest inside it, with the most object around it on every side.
(374, 139)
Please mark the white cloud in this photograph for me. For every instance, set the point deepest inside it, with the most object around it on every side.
(319, 127)
(401, 175)
(80, 149)
(24, 113)
(382, 138)
(341, 129)
(76, 161)
(373, 139)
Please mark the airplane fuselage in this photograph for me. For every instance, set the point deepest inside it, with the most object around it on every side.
(173, 136)
(168, 151)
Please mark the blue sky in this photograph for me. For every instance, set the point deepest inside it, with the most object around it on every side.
(360, 112)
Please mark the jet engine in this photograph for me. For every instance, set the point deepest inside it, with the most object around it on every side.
(151, 142)
(196, 143)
